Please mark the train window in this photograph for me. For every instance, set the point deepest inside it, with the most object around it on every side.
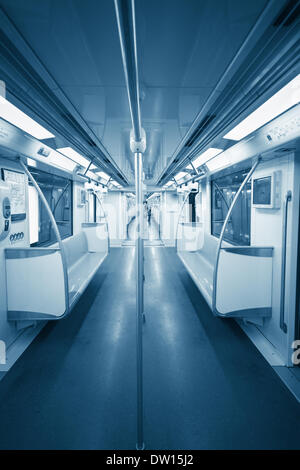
(223, 190)
(58, 192)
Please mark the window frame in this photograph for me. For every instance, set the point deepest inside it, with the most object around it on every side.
(68, 181)
(227, 239)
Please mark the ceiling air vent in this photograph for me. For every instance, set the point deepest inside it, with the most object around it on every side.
(289, 14)
(203, 124)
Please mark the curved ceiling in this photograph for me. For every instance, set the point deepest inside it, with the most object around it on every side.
(184, 47)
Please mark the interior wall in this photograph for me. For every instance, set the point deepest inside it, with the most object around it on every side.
(8, 329)
(266, 230)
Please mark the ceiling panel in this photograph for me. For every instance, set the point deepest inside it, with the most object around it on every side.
(184, 47)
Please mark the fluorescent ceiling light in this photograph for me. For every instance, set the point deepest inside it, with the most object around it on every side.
(91, 174)
(218, 162)
(284, 99)
(61, 161)
(75, 156)
(204, 157)
(117, 185)
(180, 175)
(103, 175)
(31, 162)
(15, 116)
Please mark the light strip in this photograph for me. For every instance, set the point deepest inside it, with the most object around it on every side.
(218, 162)
(61, 161)
(204, 157)
(91, 174)
(180, 175)
(75, 156)
(15, 116)
(284, 99)
(103, 175)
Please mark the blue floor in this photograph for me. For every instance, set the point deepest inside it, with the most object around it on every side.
(206, 386)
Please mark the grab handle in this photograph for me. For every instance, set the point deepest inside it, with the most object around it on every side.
(288, 198)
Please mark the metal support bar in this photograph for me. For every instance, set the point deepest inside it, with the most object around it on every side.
(61, 195)
(215, 276)
(176, 184)
(59, 240)
(193, 167)
(87, 168)
(288, 198)
(139, 296)
(125, 12)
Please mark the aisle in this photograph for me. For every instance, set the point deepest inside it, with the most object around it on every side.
(206, 386)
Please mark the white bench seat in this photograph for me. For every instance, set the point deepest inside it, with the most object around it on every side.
(82, 264)
(200, 265)
(201, 272)
(40, 285)
(81, 273)
(246, 292)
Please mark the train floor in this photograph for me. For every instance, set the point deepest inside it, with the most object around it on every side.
(205, 384)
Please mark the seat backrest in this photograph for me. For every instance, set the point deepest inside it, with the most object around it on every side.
(75, 247)
(209, 248)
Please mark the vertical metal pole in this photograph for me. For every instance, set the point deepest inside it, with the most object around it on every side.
(139, 252)
(288, 198)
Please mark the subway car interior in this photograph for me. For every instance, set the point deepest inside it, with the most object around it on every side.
(149, 224)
